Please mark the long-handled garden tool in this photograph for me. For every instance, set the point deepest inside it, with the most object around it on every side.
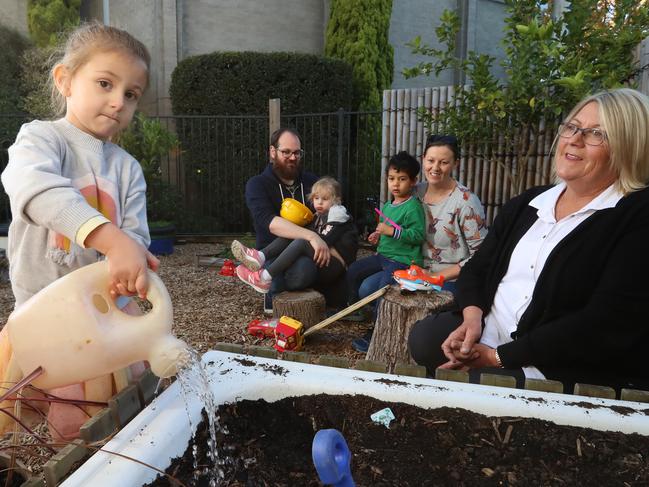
(290, 334)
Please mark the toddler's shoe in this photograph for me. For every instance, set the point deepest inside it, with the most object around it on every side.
(251, 258)
(253, 279)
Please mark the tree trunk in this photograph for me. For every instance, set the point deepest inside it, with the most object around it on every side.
(396, 314)
(307, 306)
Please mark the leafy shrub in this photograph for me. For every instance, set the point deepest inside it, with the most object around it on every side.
(237, 83)
(149, 142)
(13, 45)
(49, 20)
(357, 32)
(34, 75)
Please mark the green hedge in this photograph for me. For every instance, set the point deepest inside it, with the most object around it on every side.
(237, 83)
(13, 45)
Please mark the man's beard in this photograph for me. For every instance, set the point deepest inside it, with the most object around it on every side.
(286, 172)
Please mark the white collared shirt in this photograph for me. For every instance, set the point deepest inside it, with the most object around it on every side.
(514, 293)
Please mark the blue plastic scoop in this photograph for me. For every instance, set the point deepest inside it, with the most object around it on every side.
(332, 458)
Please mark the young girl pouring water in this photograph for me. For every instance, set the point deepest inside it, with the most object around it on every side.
(75, 196)
(332, 223)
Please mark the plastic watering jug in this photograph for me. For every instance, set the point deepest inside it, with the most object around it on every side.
(75, 331)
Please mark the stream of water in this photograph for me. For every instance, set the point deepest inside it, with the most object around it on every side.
(194, 382)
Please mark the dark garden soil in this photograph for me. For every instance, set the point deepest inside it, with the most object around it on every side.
(269, 444)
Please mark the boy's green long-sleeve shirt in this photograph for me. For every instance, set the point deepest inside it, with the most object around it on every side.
(405, 245)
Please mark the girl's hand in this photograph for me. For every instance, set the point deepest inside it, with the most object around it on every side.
(127, 260)
(373, 238)
(385, 229)
(127, 264)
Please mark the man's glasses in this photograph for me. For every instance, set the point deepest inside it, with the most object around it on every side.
(288, 153)
(591, 136)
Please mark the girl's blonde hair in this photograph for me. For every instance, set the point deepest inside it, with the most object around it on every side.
(329, 185)
(624, 116)
(87, 40)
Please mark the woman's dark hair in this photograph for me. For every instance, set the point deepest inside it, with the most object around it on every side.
(404, 162)
(449, 141)
(274, 138)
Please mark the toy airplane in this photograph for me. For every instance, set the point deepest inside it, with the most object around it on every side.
(416, 279)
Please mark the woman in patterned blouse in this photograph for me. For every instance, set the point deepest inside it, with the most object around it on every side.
(455, 223)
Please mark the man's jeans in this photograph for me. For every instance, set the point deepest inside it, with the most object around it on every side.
(300, 275)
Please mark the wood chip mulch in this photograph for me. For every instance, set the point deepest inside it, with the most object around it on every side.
(210, 308)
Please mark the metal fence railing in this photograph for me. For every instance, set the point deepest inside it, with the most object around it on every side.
(218, 154)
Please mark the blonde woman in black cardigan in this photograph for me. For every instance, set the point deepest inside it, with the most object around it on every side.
(558, 289)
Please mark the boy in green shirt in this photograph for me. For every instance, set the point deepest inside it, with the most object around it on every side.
(400, 234)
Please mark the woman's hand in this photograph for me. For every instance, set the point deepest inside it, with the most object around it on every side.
(459, 347)
(321, 254)
(481, 356)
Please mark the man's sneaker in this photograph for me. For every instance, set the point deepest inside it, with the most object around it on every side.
(253, 279)
(250, 258)
(268, 304)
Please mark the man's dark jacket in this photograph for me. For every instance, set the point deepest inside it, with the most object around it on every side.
(264, 199)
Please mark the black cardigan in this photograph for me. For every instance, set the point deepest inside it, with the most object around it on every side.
(588, 320)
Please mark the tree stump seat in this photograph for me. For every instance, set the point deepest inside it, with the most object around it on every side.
(306, 306)
(397, 312)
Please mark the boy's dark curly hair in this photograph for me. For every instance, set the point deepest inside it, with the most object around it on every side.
(404, 162)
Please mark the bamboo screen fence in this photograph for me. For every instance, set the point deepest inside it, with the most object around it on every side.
(484, 165)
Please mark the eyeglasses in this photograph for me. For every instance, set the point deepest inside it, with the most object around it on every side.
(288, 153)
(591, 136)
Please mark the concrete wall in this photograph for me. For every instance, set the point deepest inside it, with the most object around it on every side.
(176, 29)
(411, 18)
(240, 25)
(481, 31)
(154, 23)
(14, 15)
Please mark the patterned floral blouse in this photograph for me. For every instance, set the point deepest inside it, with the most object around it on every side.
(455, 227)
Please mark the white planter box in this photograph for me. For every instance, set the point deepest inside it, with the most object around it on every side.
(161, 431)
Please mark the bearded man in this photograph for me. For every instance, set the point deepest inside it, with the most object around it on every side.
(284, 178)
